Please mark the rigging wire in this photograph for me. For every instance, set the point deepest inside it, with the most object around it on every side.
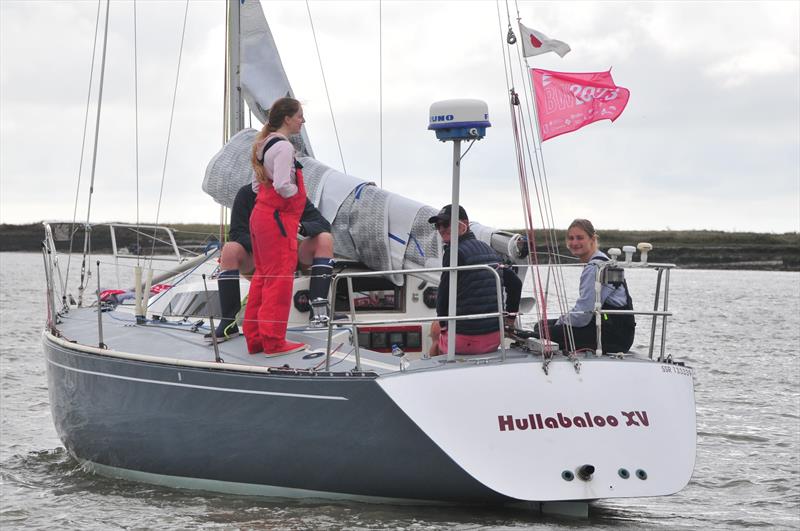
(522, 140)
(538, 150)
(506, 70)
(65, 280)
(545, 204)
(136, 121)
(86, 238)
(325, 84)
(380, 87)
(169, 129)
(521, 168)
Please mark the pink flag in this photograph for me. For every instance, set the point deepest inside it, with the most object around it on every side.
(567, 101)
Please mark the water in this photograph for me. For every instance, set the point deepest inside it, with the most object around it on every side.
(739, 330)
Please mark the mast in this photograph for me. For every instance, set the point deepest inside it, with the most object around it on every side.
(233, 106)
(233, 90)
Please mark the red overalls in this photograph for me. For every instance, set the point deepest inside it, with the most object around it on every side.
(273, 231)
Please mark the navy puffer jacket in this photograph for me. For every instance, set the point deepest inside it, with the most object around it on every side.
(476, 288)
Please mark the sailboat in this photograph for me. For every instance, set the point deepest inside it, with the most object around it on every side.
(137, 393)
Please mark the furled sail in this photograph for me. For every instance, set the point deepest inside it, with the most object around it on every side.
(262, 76)
(380, 229)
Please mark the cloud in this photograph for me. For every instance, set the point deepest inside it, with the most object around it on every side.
(713, 124)
(763, 60)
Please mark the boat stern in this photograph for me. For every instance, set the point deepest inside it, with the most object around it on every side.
(612, 429)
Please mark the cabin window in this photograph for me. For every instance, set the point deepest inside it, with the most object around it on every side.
(193, 305)
(385, 338)
(370, 294)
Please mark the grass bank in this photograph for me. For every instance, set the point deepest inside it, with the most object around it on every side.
(693, 249)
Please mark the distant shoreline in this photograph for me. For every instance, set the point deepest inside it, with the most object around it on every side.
(689, 249)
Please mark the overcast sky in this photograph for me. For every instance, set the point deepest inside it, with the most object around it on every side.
(709, 140)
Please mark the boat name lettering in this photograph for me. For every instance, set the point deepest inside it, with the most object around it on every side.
(442, 118)
(535, 421)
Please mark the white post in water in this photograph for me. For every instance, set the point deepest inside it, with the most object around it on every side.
(457, 120)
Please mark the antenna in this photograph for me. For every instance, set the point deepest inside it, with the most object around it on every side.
(457, 120)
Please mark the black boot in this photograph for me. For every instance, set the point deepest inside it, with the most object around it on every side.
(321, 271)
(230, 301)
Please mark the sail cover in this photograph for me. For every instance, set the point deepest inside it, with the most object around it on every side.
(230, 168)
(262, 76)
(382, 230)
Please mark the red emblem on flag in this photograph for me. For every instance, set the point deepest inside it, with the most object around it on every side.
(535, 42)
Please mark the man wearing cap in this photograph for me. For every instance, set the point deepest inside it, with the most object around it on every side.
(476, 291)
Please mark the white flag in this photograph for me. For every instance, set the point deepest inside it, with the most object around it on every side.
(536, 43)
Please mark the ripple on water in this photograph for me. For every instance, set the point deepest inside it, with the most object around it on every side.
(733, 436)
(746, 472)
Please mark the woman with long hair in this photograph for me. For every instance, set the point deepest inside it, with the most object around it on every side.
(279, 205)
(617, 329)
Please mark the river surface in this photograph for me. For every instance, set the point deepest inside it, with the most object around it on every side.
(739, 330)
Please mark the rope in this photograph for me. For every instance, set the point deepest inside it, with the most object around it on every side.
(325, 84)
(530, 165)
(83, 148)
(532, 256)
(543, 199)
(522, 171)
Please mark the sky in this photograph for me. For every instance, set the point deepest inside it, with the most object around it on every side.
(710, 138)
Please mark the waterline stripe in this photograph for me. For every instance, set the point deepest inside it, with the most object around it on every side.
(245, 489)
(209, 388)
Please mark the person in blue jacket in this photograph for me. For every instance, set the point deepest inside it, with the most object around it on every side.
(476, 290)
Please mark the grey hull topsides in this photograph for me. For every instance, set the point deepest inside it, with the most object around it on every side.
(328, 433)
